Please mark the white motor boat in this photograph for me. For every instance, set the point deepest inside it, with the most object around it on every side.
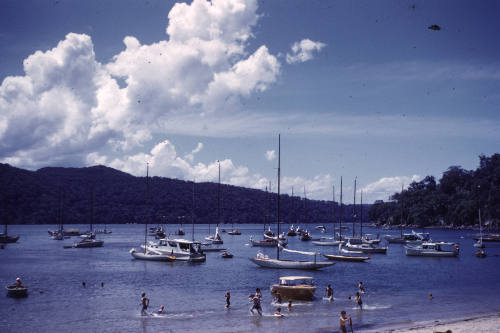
(264, 261)
(433, 249)
(356, 244)
(151, 255)
(182, 249)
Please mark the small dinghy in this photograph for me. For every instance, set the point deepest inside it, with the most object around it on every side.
(17, 292)
(339, 257)
(226, 255)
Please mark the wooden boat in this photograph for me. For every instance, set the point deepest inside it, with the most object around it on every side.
(339, 257)
(295, 288)
(151, 255)
(17, 292)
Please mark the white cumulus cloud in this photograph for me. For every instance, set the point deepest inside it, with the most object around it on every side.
(303, 51)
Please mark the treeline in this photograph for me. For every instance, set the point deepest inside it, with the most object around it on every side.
(453, 201)
(49, 195)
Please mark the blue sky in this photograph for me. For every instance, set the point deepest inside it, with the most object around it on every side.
(359, 88)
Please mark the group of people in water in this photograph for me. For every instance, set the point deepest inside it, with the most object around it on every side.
(256, 299)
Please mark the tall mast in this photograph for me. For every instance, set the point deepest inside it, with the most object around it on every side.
(218, 198)
(147, 209)
(293, 209)
(279, 175)
(91, 208)
(266, 214)
(361, 216)
(192, 215)
(305, 209)
(354, 207)
(401, 222)
(333, 210)
(340, 213)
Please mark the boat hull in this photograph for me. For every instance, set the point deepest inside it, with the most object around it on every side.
(327, 243)
(382, 250)
(299, 293)
(420, 253)
(8, 239)
(338, 257)
(89, 244)
(17, 292)
(151, 256)
(290, 264)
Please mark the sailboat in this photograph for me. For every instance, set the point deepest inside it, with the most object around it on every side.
(216, 238)
(90, 240)
(264, 260)
(479, 243)
(4, 237)
(149, 254)
(305, 235)
(291, 232)
(234, 231)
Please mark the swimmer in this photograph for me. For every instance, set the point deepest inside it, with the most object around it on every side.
(102, 284)
(278, 312)
(342, 320)
(329, 293)
(144, 303)
(84, 285)
(161, 310)
(278, 298)
(431, 297)
(228, 300)
(289, 308)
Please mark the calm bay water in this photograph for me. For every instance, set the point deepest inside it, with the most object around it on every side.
(193, 294)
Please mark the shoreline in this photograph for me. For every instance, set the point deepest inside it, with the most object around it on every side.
(487, 322)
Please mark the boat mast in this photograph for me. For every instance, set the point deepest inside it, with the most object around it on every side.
(401, 223)
(305, 210)
(91, 208)
(333, 210)
(340, 212)
(192, 215)
(147, 209)
(354, 207)
(266, 214)
(361, 216)
(218, 198)
(293, 209)
(279, 175)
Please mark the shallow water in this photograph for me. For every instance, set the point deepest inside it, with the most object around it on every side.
(193, 294)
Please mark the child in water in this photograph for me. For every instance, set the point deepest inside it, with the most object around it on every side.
(228, 300)
(161, 310)
(343, 320)
(278, 313)
(289, 308)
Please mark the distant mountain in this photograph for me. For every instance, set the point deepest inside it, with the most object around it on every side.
(40, 197)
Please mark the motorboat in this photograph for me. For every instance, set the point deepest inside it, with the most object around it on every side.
(408, 238)
(356, 244)
(234, 232)
(291, 232)
(151, 255)
(433, 249)
(66, 232)
(208, 247)
(180, 232)
(267, 242)
(481, 254)
(182, 249)
(17, 292)
(300, 288)
(305, 236)
(89, 242)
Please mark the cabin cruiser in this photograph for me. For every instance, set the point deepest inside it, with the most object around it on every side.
(408, 238)
(295, 288)
(357, 244)
(433, 249)
(182, 249)
(291, 232)
(371, 239)
(305, 236)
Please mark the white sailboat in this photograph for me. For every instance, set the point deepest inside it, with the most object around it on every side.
(264, 261)
(329, 241)
(216, 238)
(90, 240)
(149, 254)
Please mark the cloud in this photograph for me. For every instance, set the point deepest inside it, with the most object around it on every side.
(190, 156)
(383, 188)
(270, 155)
(68, 105)
(303, 51)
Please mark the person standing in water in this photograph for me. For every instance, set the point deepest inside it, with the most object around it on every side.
(228, 300)
(256, 305)
(359, 300)
(289, 308)
(342, 322)
(144, 303)
(329, 293)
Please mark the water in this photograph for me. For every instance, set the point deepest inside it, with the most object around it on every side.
(193, 294)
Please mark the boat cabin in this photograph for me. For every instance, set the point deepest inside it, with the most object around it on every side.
(296, 281)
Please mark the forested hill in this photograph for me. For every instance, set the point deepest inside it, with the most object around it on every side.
(39, 197)
(454, 200)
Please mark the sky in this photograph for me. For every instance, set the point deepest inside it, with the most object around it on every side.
(355, 88)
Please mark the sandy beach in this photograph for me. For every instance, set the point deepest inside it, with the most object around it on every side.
(485, 324)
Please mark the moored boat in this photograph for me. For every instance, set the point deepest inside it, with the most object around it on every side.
(340, 257)
(356, 244)
(182, 249)
(295, 288)
(17, 292)
(433, 249)
(151, 255)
